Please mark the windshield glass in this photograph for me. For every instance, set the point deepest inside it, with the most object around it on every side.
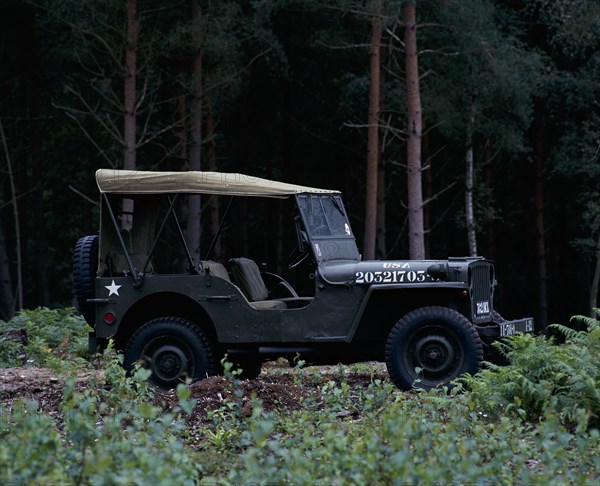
(324, 216)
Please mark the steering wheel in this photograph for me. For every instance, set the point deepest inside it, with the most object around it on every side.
(298, 256)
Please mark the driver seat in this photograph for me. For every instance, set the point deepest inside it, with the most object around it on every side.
(248, 278)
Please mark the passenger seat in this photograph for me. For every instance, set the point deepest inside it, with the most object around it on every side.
(247, 275)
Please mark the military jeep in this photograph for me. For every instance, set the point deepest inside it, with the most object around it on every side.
(430, 321)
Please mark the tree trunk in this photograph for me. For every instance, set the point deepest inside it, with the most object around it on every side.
(194, 222)
(373, 143)
(129, 105)
(41, 243)
(7, 298)
(427, 185)
(538, 135)
(490, 251)
(13, 189)
(469, 213)
(595, 282)
(284, 231)
(129, 136)
(181, 133)
(381, 250)
(213, 201)
(469, 184)
(416, 233)
(179, 256)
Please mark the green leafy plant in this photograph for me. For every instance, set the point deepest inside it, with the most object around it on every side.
(227, 418)
(531, 422)
(544, 378)
(31, 449)
(56, 338)
(12, 352)
(429, 438)
(112, 434)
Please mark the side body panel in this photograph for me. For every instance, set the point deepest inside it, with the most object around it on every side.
(329, 317)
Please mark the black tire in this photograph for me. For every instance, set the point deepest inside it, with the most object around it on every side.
(85, 265)
(174, 349)
(441, 342)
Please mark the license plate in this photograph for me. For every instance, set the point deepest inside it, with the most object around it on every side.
(510, 328)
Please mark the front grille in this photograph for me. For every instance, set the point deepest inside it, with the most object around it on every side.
(481, 286)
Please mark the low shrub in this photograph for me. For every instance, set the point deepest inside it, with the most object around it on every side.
(544, 379)
(111, 434)
(531, 422)
(429, 439)
(56, 338)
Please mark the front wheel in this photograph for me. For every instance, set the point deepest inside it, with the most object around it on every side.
(173, 349)
(432, 346)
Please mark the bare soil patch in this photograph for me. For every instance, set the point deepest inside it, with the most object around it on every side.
(278, 387)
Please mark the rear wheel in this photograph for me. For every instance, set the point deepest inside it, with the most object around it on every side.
(85, 264)
(432, 346)
(173, 349)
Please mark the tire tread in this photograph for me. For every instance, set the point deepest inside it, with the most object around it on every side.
(85, 263)
(176, 324)
(424, 312)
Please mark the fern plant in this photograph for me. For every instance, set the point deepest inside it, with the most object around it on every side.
(544, 378)
(57, 339)
(591, 323)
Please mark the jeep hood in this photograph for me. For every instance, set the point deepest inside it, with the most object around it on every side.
(398, 272)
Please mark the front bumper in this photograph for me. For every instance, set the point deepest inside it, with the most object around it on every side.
(518, 326)
(497, 330)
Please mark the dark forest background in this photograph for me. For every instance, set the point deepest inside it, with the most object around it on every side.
(284, 95)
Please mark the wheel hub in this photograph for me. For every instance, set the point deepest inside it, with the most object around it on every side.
(169, 362)
(435, 353)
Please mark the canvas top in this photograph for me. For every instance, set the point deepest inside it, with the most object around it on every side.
(114, 181)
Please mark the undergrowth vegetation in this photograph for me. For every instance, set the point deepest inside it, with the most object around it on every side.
(534, 421)
(55, 338)
(544, 379)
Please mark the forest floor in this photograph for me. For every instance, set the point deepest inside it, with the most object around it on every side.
(278, 387)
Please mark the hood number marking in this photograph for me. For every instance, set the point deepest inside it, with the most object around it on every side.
(390, 276)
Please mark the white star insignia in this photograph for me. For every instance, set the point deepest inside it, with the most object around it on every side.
(113, 289)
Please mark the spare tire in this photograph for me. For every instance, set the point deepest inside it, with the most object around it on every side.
(85, 264)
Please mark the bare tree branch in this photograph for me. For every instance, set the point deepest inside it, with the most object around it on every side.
(111, 130)
(209, 89)
(13, 191)
(87, 134)
(439, 193)
(84, 196)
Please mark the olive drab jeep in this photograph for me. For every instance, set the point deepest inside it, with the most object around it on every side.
(430, 321)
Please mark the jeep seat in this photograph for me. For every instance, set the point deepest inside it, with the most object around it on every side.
(247, 276)
(215, 269)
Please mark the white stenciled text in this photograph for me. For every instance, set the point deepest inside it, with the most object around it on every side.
(390, 276)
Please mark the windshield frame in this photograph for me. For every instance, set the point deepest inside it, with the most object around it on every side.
(337, 243)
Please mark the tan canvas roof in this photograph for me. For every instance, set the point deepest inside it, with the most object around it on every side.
(221, 183)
